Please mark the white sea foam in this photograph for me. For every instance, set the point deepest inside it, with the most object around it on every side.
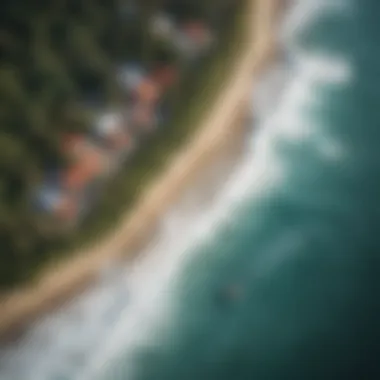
(331, 150)
(304, 14)
(260, 171)
(129, 309)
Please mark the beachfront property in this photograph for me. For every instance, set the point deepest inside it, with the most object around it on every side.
(166, 76)
(67, 86)
(95, 157)
(196, 37)
(129, 76)
(83, 152)
(61, 195)
(51, 198)
(99, 155)
(190, 39)
(59, 207)
(143, 85)
(147, 92)
(112, 131)
(90, 168)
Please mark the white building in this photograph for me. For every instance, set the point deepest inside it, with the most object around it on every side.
(130, 76)
(163, 26)
(109, 124)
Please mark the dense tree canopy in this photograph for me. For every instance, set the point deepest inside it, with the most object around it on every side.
(54, 54)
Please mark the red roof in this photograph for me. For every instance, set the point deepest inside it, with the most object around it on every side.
(165, 76)
(67, 209)
(80, 174)
(120, 140)
(71, 142)
(148, 91)
(196, 30)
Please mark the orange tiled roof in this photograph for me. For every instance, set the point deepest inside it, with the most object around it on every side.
(71, 142)
(120, 140)
(80, 174)
(148, 91)
(67, 209)
(165, 76)
(196, 30)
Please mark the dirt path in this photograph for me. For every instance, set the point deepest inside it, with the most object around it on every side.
(62, 282)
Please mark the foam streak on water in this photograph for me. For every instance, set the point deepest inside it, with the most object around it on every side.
(263, 169)
(131, 309)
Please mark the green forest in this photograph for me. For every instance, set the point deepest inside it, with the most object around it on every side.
(53, 56)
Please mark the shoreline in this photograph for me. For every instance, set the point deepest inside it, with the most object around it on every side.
(57, 285)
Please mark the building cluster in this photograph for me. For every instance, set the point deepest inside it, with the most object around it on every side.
(95, 157)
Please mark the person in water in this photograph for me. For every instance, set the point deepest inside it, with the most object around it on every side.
(229, 295)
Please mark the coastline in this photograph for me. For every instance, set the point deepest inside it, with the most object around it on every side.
(59, 284)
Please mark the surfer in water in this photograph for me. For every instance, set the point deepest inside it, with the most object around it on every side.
(229, 295)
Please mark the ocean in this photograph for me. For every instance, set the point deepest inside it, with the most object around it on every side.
(293, 227)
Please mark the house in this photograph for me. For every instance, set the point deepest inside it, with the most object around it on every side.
(113, 131)
(198, 33)
(147, 92)
(80, 174)
(48, 197)
(78, 147)
(88, 163)
(53, 200)
(66, 198)
(193, 38)
(73, 145)
(130, 76)
(166, 76)
(68, 210)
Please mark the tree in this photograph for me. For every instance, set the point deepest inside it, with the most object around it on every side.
(11, 152)
(10, 85)
(54, 55)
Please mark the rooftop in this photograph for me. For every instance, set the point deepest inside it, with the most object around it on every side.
(130, 76)
(109, 123)
(166, 76)
(81, 173)
(192, 37)
(147, 91)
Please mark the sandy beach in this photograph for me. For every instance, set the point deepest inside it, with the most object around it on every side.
(58, 284)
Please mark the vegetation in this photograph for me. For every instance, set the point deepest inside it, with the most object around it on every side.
(54, 55)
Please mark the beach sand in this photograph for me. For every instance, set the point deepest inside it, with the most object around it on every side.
(57, 285)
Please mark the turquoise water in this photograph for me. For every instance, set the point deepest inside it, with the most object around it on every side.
(295, 227)
(305, 249)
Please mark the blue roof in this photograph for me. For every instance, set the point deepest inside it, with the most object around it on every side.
(131, 74)
(48, 197)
